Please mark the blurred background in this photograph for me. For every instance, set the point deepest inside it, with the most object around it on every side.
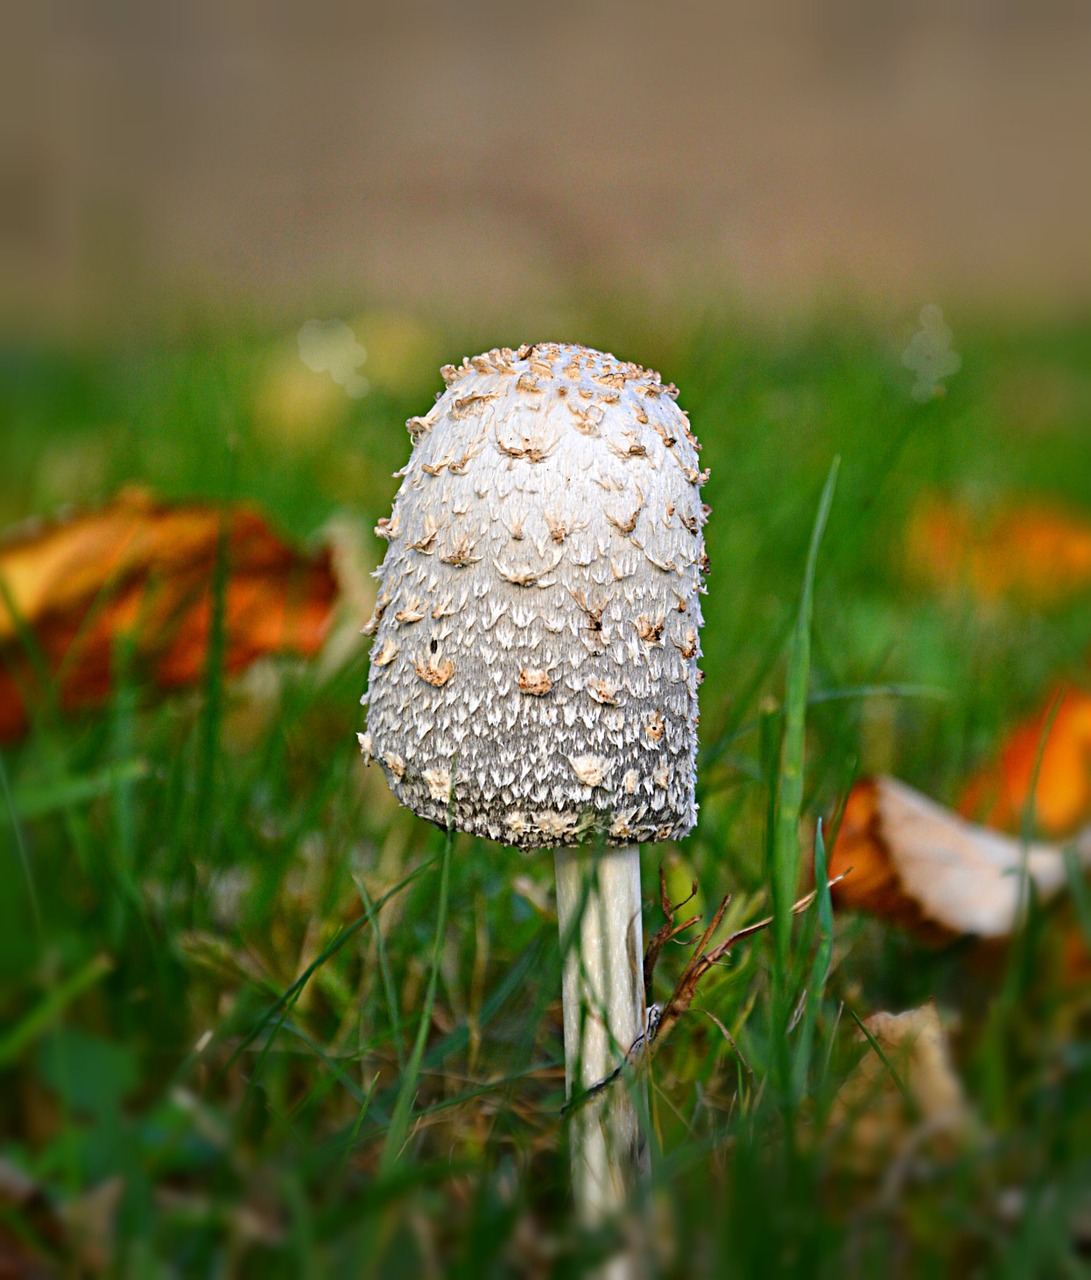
(516, 163)
(237, 242)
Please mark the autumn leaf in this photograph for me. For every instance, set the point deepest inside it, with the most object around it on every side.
(911, 860)
(144, 571)
(904, 1095)
(1059, 736)
(1035, 552)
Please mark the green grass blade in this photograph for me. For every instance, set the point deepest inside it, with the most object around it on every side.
(1081, 895)
(403, 1107)
(877, 1049)
(21, 848)
(288, 997)
(51, 1008)
(389, 990)
(67, 793)
(361, 1116)
(790, 791)
(820, 968)
(208, 744)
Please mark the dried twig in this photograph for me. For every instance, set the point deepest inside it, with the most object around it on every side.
(686, 987)
(660, 1018)
(665, 932)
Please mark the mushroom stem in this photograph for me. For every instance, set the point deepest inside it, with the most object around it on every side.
(599, 913)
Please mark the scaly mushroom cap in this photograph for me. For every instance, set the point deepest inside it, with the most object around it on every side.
(536, 632)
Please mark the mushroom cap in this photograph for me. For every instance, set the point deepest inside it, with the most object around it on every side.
(534, 668)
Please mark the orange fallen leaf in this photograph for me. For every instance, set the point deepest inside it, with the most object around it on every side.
(919, 864)
(144, 570)
(1036, 552)
(1060, 733)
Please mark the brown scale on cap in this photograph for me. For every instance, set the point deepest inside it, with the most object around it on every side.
(385, 654)
(551, 688)
(535, 682)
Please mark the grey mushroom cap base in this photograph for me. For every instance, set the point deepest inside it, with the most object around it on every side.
(534, 664)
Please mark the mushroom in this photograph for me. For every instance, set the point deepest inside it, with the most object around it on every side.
(534, 677)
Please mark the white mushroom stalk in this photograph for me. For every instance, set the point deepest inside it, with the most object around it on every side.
(534, 668)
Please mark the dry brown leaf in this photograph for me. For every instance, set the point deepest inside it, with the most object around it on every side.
(1060, 733)
(1036, 552)
(144, 570)
(882, 1123)
(925, 867)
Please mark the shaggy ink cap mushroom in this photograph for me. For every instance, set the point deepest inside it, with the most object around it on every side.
(534, 666)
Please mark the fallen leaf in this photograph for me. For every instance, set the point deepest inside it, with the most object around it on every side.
(1035, 552)
(144, 571)
(908, 859)
(1059, 733)
(903, 1099)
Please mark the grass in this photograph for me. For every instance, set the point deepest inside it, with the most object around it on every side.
(234, 1005)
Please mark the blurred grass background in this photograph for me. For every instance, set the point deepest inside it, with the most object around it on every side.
(215, 925)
